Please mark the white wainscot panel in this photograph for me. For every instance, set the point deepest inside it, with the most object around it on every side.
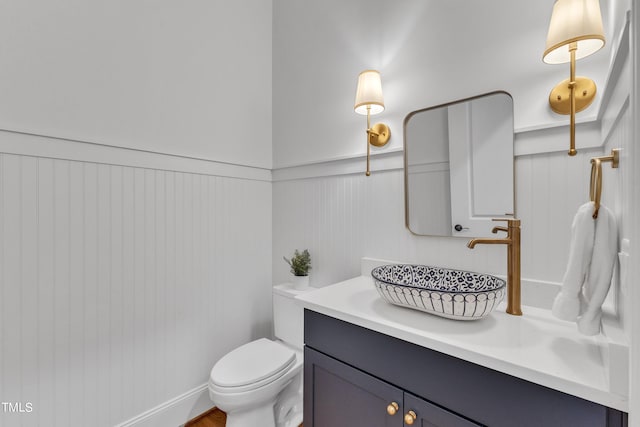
(343, 218)
(120, 287)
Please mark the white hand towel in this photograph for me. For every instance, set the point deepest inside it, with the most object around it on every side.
(567, 303)
(598, 281)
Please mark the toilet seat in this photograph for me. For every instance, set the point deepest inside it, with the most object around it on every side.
(241, 371)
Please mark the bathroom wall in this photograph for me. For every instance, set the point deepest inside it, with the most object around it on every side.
(120, 285)
(320, 191)
(345, 216)
(125, 273)
(187, 78)
(428, 53)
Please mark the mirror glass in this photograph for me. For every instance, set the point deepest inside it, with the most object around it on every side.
(458, 160)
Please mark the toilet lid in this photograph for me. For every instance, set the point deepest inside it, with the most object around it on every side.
(252, 363)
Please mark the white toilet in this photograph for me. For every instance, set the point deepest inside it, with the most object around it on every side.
(260, 383)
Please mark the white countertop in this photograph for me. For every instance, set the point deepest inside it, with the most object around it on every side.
(535, 347)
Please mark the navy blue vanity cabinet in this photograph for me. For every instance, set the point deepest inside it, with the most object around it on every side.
(342, 396)
(352, 375)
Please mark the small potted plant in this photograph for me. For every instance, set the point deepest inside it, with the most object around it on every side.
(300, 264)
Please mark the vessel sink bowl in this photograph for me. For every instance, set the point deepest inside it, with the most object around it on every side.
(455, 294)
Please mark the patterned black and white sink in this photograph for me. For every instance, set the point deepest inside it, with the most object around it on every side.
(455, 294)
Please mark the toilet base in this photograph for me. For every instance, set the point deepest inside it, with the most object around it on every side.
(260, 416)
(288, 408)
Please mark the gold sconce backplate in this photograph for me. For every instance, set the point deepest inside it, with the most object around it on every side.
(560, 97)
(379, 134)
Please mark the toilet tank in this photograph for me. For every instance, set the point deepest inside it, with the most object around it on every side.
(288, 315)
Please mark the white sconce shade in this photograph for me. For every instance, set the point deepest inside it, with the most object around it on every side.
(369, 101)
(573, 21)
(369, 93)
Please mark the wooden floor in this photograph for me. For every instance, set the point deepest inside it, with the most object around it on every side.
(212, 418)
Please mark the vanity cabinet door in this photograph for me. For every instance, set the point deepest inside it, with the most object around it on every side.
(429, 415)
(337, 395)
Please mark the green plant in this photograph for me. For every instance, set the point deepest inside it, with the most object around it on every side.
(300, 263)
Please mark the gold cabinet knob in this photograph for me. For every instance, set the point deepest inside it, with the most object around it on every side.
(410, 417)
(392, 408)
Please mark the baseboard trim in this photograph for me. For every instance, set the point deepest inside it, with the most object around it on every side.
(174, 412)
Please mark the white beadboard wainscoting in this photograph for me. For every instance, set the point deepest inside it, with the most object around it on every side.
(342, 218)
(120, 286)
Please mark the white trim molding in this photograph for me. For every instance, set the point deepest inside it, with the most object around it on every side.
(556, 139)
(44, 146)
(174, 412)
(385, 161)
(634, 378)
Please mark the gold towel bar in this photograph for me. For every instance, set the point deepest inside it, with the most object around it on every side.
(595, 186)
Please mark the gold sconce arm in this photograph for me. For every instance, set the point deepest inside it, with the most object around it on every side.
(378, 136)
(571, 96)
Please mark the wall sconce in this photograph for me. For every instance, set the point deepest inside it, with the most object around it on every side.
(369, 101)
(575, 31)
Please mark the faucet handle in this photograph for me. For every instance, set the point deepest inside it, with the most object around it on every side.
(496, 229)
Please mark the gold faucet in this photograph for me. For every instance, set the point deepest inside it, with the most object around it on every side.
(513, 260)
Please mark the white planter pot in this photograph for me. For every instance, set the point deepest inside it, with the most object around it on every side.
(300, 282)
